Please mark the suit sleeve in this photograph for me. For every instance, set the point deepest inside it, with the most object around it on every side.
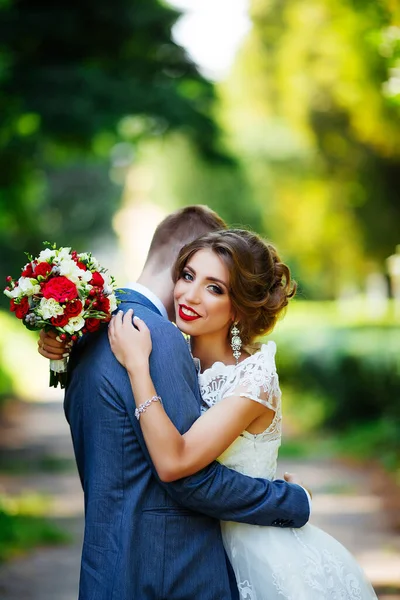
(215, 490)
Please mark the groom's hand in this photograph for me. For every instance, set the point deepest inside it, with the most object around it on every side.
(50, 347)
(291, 478)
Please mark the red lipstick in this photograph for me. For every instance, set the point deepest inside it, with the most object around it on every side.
(186, 317)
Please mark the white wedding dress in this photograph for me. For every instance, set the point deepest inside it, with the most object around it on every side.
(274, 563)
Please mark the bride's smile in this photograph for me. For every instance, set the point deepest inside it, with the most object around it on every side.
(187, 314)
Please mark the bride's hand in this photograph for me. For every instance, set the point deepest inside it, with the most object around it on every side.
(130, 342)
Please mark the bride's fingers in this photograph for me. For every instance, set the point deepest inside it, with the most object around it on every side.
(113, 326)
(140, 325)
(127, 320)
(117, 323)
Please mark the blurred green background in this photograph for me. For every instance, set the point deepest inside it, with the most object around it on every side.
(107, 124)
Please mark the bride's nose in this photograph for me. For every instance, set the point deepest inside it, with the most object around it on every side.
(192, 295)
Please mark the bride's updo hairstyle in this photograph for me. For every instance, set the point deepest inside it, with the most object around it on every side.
(260, 285)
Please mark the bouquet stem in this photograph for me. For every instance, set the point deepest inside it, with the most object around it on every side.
(58, 372)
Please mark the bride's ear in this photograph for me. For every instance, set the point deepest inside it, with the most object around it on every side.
(235, 317)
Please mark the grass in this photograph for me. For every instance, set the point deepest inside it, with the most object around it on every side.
(372, 441)
(21, 465)
(308, 447)
(23, 525)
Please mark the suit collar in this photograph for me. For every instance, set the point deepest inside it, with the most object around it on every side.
(129, 295)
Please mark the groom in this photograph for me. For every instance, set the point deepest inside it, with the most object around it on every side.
(145, 539)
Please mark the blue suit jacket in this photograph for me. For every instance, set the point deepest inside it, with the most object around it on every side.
(145, 539)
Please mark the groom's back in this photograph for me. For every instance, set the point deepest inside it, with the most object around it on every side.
(139, 543)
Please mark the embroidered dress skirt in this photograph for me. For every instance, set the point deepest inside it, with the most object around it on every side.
(292, 564)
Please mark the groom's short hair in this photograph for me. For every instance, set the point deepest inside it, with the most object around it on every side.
(180, 228)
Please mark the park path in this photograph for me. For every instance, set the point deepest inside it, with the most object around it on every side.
(343, 505)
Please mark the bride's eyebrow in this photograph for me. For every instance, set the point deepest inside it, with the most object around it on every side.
(216, 280)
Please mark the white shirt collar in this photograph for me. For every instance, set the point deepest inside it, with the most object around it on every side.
(142, 289)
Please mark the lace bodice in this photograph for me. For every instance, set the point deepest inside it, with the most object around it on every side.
(255, 378)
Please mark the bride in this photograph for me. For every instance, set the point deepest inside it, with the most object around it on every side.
(230, 288)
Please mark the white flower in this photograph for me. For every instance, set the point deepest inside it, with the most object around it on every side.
(69, 269)
(46, 254)
(67, 266)
(107, 279)
(113, 302)
(107, 290)
(49, 308)
(85, 256)
(86, 275)
(15, 293)
(28, 286)
(74, 324)
(64, 253)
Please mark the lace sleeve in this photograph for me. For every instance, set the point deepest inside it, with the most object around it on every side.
(256, 378)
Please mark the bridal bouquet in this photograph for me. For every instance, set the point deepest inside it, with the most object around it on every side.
(63, 291)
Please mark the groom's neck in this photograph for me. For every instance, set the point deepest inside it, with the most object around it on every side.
(160, 283)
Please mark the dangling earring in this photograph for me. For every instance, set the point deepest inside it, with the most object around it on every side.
(236, 342)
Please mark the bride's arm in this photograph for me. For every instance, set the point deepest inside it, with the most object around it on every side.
(174, 455)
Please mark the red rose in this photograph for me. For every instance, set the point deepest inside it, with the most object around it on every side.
(28, 271)
(42, 269)
(60, 288)
(13, 306)
(97, 279)
(60, 320)
(82, 266)
(73, 308)
(22, 309)
(92, 324)
(103, 304)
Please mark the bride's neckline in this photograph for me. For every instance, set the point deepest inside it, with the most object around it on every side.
(230, 366)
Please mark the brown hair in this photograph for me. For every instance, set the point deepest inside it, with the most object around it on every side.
(180, 228)
(260, 285)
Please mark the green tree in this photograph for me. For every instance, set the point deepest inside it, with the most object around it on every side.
(76, 79)
(313, 108)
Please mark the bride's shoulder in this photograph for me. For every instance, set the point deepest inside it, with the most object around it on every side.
(260, 353)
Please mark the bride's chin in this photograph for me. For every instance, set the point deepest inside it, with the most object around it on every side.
(187, 328)
(182, 326)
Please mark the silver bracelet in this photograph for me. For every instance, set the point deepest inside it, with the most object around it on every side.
(143, 407)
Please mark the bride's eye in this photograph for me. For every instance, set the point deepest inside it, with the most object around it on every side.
(187, 276)
(215, 289)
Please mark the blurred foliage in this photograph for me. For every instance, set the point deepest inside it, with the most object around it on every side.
(23, 526)
(23, 372)
(342, 377)
(6, 384)
(181, 176)
(78, 80)
(313, 107)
